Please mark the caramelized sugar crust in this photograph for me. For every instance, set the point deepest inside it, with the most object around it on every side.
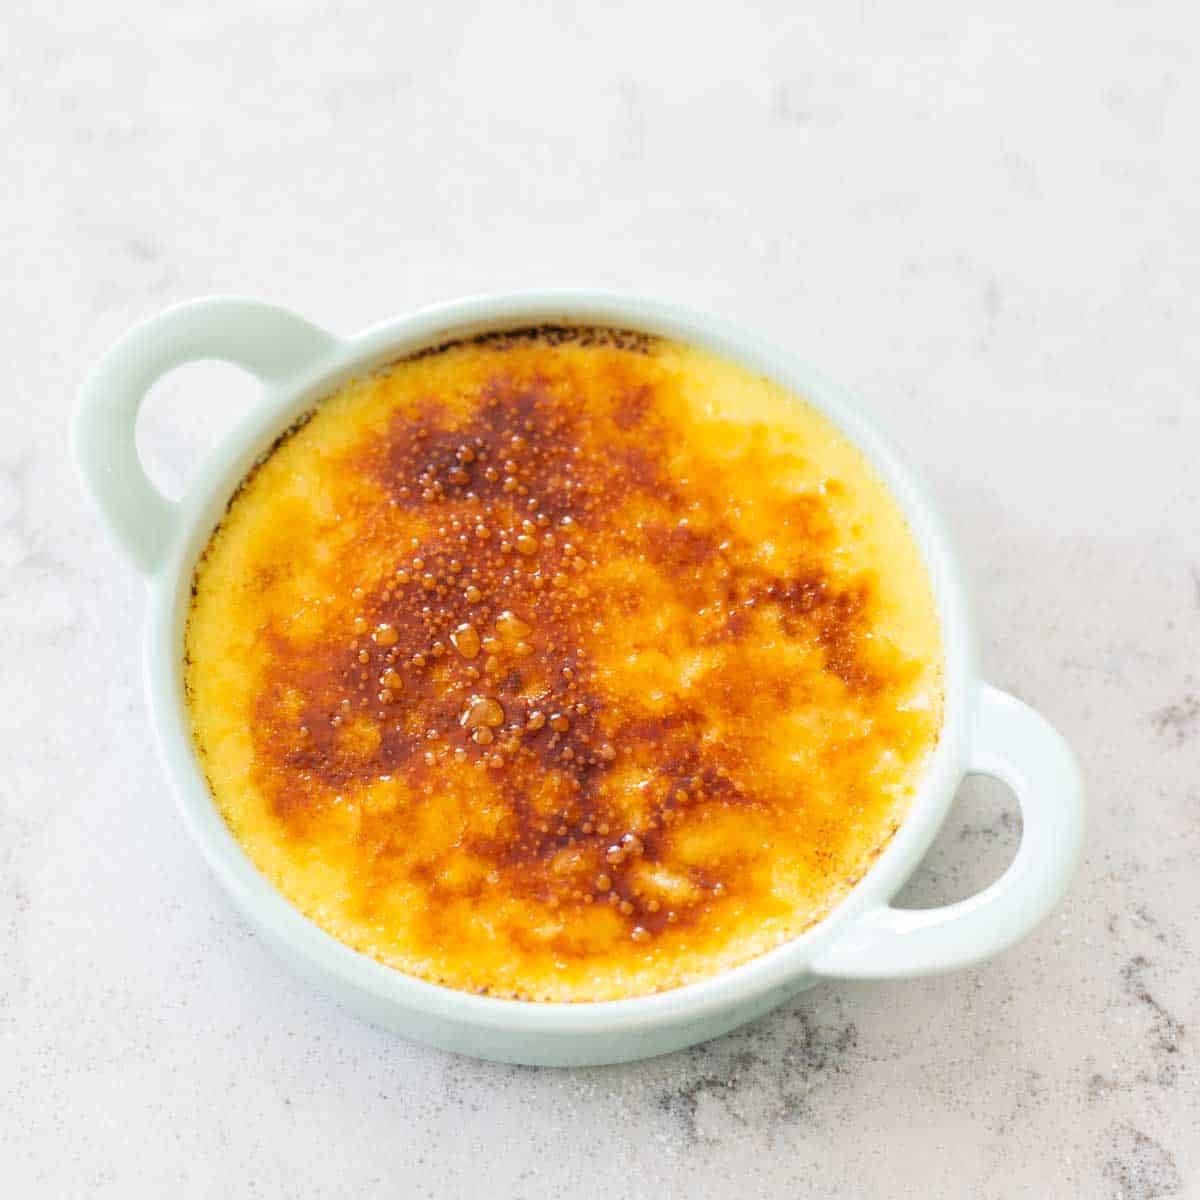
(564, 665)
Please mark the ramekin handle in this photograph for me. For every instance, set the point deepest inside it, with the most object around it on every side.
(271, 343)
(1012, 743)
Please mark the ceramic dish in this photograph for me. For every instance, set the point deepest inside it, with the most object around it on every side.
(985, 731)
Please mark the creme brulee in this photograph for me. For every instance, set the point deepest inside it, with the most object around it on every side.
(563, 665)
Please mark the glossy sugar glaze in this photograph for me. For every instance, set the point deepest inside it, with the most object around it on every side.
(564, 665)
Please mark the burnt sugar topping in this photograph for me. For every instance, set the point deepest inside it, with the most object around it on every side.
(563, 665)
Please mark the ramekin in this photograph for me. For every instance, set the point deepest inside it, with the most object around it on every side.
(985, 731)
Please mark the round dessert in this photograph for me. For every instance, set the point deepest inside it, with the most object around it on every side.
(564, 664)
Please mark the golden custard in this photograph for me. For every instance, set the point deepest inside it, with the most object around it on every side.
(564, 665)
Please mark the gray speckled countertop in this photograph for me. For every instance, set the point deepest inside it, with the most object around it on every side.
(983, 217)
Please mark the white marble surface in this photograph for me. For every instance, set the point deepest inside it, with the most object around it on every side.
(984, 216)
